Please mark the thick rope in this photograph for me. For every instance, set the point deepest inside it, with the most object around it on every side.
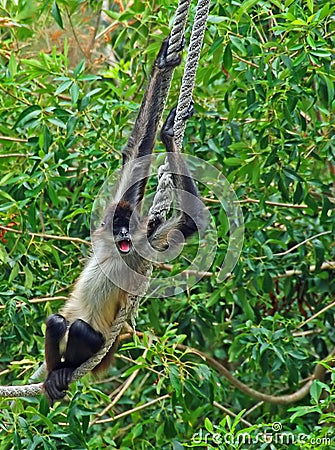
(178, 27)
(165, 188)
(164, 193)
(175, 43)
(185, 95)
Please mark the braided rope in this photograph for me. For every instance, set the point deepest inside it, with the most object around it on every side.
(185, 95)
(177, 32)
(165, 188)
(29, 390)
(164, 194)
(175, 43)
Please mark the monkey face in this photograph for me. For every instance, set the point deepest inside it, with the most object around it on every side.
(118, 222)
(122, 239)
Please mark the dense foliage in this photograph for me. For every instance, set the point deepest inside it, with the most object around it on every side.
(265, 106)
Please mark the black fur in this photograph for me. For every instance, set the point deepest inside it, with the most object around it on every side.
(82, 343)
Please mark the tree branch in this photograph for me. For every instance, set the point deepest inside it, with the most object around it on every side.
(301, 243)
(46, 236)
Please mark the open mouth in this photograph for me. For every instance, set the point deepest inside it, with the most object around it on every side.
(124, 246)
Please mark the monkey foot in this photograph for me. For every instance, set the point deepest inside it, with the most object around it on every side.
(57, 384)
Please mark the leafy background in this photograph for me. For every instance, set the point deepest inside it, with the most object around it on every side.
(71, 80)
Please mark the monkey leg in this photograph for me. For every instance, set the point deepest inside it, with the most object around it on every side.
(83, 342)
(192, 214)
(56, 327)
(55, 331)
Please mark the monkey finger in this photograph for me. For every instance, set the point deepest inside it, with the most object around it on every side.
(52, 392)
(189, 113)
(62, 378)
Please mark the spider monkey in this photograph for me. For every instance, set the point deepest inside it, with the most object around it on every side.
(81, 328)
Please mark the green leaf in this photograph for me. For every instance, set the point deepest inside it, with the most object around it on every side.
(169, 428)
(316, 391)
(298, 195)
(12, 65)
(52, 194)
(246, 5)
(27, 115)
(283, 188)
(311, 41)
(214, 298)
(175, 379)
(57, 122)
(323, 12)
(64, 86)
(176, 445)
(310, 5)
(55, 12)
(238, 43)
(267, 284)
(85, 101)
(319, 252)
(74, 92)
(208, 425)
(79, 68)
(227, 58)
(29, 278)
(233, 161)
(14, 273)
(245, 304)
(3, 254)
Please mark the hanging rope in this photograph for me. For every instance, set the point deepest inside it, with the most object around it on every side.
(175, 42)
(186, 90)
(165, 189)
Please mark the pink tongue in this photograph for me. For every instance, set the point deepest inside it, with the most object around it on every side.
(124, 246)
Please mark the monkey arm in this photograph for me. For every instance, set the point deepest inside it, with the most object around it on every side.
(142, 139)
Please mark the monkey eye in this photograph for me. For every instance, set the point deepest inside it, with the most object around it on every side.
(103, 224)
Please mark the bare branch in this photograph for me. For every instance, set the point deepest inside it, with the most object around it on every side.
(137, 408)
(13, 139)
(46, 236)
(301, 243)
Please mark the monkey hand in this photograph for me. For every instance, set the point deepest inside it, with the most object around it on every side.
(57, 383)
(162, 61)
(168, 127)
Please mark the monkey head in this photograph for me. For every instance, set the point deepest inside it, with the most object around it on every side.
(120, 221)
